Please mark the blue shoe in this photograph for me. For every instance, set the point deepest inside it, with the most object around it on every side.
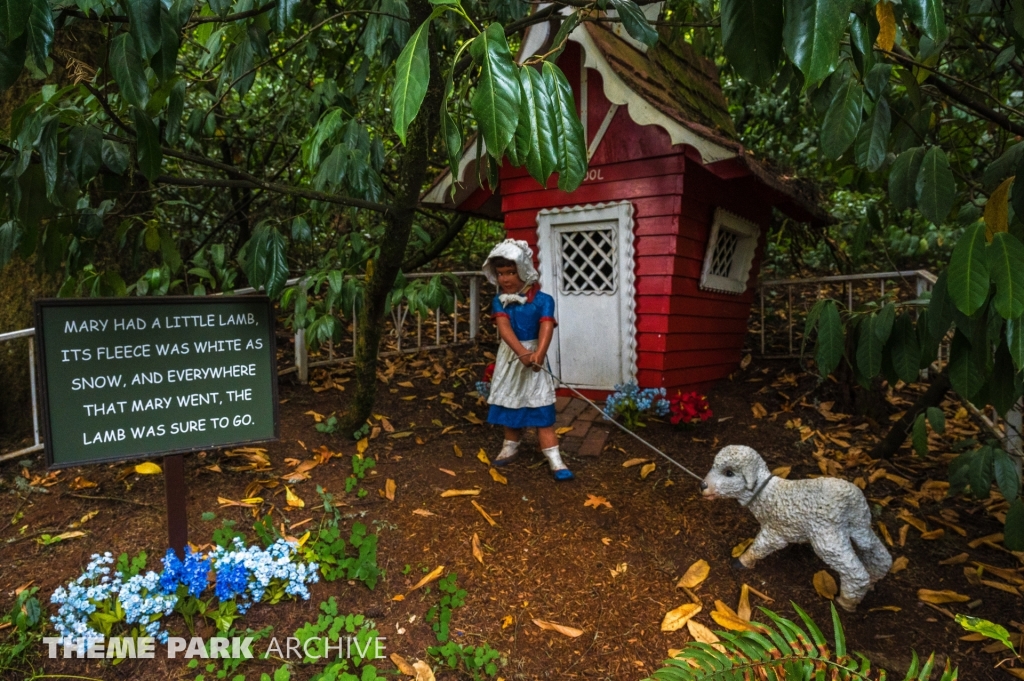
(564, 474)
(498, 463)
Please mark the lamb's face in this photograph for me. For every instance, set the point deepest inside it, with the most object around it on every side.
(730, 475)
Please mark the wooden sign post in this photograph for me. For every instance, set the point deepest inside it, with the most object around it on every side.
(132, 378)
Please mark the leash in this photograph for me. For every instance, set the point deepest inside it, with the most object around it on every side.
(618, 425)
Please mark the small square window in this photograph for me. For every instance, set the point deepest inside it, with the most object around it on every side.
(730, 253)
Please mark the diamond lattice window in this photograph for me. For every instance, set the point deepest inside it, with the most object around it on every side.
(730, 253)
(588, 261)
(725, 249)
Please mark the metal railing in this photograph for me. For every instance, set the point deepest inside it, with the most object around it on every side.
(919, 280)
(302, 364)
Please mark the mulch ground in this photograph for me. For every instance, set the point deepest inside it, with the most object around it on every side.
(609, 570)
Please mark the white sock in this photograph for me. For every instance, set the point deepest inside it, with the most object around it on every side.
(554, 458)
(508, 449)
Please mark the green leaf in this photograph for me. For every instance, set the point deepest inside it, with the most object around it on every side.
(937, 419)
(10, 238)
(863, 32)
(1013, 529)
(1006, 266)
(842, 120)
(283, 14)
(964, 374)
(40, 31)
(1006, 475)
(979, 472)
(752, 37)
(571, 149)
(12, 61)
(635, 23)
(812, 33)
(144, 26)
(873, 139)
(903, 178)
(920, 435)
(905, 349)
(115, 156)
(519, 148)
(267, 260)
(85, 153)
(453, 143)
(175, 108)
(935, 188)
(165, 61)
(869, 348)
(561, 38)
(985, 628)
(126, 67)
(1015, 341)
(13, 17)
(940, 308)
(968, 281)
(412, 75)
(928, 16)
(541, 159)
(48, 154)
(147, 151)
(831, 340)
(495, 103)
(883, 322)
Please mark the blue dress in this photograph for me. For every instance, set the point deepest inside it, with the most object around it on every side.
(520, 397)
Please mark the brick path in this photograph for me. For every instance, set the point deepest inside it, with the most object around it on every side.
(588, 434)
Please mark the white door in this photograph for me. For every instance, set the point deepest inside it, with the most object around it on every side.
(586, 264)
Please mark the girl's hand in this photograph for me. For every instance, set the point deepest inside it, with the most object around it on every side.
(537, 361)
(526, 358)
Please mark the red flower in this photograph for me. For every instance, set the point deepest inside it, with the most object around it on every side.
(685, 408)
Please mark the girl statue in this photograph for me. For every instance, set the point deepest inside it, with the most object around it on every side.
(521, 394)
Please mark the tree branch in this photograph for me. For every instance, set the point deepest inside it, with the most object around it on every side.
(272, 187)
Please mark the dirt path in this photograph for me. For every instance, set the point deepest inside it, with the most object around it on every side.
(609, 570)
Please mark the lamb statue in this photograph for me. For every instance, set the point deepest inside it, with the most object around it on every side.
(831, 514)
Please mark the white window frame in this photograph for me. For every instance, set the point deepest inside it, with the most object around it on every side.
(747, 233)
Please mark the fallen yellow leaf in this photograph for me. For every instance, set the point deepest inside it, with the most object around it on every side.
(316, 417)
(148, 468)
(899, 564)
(703, 634)
(498, 477)
(435, 573)
(647, 470)
(293, 499)
(939, 597)
(676, 619)
(596, 501)
(825, 585)
(423, 512)
(1001, 586)
(478, 552)
(362, 445)
(460, 493)
(955, 560)
(507, 621)
(398, 597)
(782, 471)
(563, 430)
(482, 455)
(738, 550)
(389, 489)
(405, 384)
(485, 514)
(423, 671)
(730, 621)
(560, 628)
(759, 411)
(934, 534)
(402, 665)
(886, 608)
(743, 610)
(634, 462)
(458, 452)
(695, 574)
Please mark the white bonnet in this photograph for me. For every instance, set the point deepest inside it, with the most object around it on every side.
(518, 252)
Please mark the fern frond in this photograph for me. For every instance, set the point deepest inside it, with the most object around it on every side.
(783, 651)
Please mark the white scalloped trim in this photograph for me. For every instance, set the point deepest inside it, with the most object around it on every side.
(623, 211)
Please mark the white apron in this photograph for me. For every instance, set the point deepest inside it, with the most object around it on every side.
(515, 385)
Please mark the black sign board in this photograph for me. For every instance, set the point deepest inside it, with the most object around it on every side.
(130, 378)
